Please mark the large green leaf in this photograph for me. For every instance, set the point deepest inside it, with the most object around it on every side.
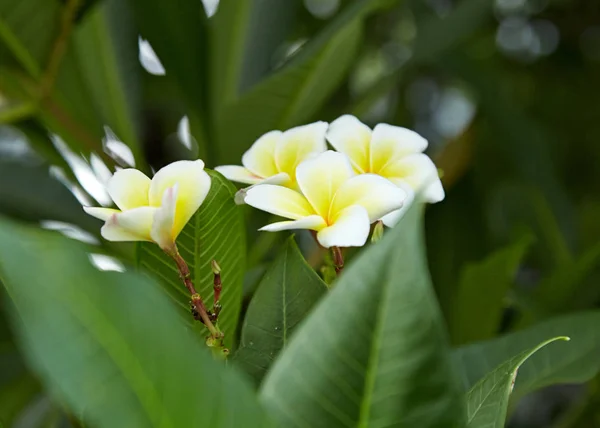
(286, 293)
(487, 401)
(215, 232)
(112, 71)
(374, 352)
(31, 37)
(562, 289)
(110, 345)
(442, 33)
(245, 35)
(578, 362)
(29, 192)
(295, 93)
(482, 292)
(177, 32)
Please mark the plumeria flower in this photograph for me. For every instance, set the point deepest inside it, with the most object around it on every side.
(273, 158)
(153, 210)
(335, 202)
(392, 152)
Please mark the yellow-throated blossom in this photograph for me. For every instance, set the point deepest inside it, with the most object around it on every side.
(273, 158)
(392, 152)
(335, 202)
(153, 210)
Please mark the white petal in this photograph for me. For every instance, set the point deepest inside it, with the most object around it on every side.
(391, 219)
(164, 219)
(100, 169)
(129, 188)
(131, 225)
(349, 135)
(260, 158)
(320, 177)
(193, 186)
(102, 213)
(70, 230)
(117, 149)
(279, 200)
(312, 222)
(298, 144)
(148, 58)
(183, 132)
(281, 179)
(83, 172)
(376, 194)
(350, 230)
(106, 263)
(210, 6)
(239, 174)
(388, 143)
(420, 173)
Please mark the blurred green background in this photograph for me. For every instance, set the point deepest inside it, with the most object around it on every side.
(506, 92)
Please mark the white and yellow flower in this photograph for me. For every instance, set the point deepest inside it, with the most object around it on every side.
(273, 158)
(153, 210)
(392, 152)
(335, 202)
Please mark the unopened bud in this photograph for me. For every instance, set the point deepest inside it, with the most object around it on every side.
(377, 232)
(240, 197)
(216, 269)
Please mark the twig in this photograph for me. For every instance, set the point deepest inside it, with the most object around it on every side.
(338, 259)
(59, 48)
(215, 340)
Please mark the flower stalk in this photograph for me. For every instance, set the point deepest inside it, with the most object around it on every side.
(338, 259)
(199, 310)
(217, 287)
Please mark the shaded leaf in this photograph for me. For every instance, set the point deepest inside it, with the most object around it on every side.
(107, 51)
(287, 292)
(487, 401)
(177, 32)
(578, 362)
(439, 34)
(110, 344)
(215, 232)
(482, 291)
(30, 193)
(373, 352)
(245, 35)
(28, 39)
(294, 94)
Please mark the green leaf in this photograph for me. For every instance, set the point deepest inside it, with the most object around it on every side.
(177, 32)
(576, 363)
(439, 34)
(374, 352)
(295, 93)
(215, 232)
(482, 291)
(30, 193)
(112, 72)
(487, 401)
(244, 36)
(285, 295)
(29, 36)
(110, 344)
(562, 288)
(27, 32)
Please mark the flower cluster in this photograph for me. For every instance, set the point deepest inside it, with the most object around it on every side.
(373, 175)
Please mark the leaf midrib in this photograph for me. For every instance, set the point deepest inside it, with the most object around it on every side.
(373, 360)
